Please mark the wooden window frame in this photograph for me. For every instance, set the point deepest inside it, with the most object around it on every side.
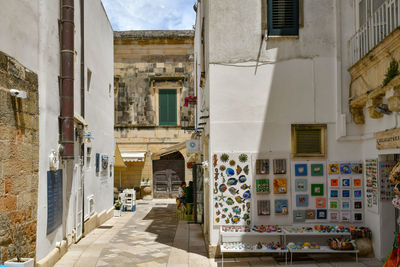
(322, 127)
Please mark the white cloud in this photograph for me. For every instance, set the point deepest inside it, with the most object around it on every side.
(150, 14)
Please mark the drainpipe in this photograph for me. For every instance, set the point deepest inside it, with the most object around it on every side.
(67, 78)
(82, 12)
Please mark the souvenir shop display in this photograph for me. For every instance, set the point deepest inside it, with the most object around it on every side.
(394, 177)
(371, 184)
(264, 207)
(345, 192)
(386, 186)
(232, 188)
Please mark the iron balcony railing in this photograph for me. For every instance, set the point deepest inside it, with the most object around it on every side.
(379, 25)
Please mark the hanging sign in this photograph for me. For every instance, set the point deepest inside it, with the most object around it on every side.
(192, 146)
(388, 139)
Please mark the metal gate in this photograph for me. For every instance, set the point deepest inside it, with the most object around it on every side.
(167, 177)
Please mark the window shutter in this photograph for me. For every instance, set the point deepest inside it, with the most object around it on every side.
(308, 141)
(283, 17)
(167, 107)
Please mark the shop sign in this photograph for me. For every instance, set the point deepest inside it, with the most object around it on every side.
(388, 139)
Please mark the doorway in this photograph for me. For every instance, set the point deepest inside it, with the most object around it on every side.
(168, 174)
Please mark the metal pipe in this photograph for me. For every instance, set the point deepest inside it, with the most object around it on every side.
(82, 12)
(67, 78)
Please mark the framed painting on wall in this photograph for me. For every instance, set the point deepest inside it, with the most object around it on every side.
(264, 207)
(310, 214)
(299, 216)
(346, 205)
(358, 205)
(300, 169)
(301, 200)
(345, 168)
(322, 214)
(262, 166)
(357, 193)
(317, 189)
(317, 169)
(333, 168)
(280, 186)
(279, 166)
(346, 182)
(334, 193)
(357, 182)
(334, 216)
(345, 193)
(300, 185)
(320, 202)
(262, 185)
(281, 206)
(357, 216)
(333, 204)
(334, 182)
(345, 216)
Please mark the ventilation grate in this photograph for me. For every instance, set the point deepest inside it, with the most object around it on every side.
(308, 141)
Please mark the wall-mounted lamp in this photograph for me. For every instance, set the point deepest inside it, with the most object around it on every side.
(383, 108)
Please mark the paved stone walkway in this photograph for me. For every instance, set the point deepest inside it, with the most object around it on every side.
(152, 236)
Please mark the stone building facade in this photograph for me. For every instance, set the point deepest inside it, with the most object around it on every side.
(153, 76)
(19, 158)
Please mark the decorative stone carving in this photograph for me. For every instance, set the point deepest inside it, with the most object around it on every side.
(372, 104)
(394, 100)
(358, 115)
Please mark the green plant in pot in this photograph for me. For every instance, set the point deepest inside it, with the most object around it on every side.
(117, 209)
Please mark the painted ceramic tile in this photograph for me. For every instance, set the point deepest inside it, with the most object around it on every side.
(262, 166)
(279, 166)
(358, 205)
(357, 217)
(334, 216)
(345, 193)
(317, 189)
(281, 206)
(334, 182)
(301, 200)
(262, 185)
(345, 168)
(280, 186)
(322, 214)
(356, 168)
(317, 169)
(345, 216)
(243, 158)
(333, 168)
(310, 214)
(299, 216)
(320, 202)
(357, 182)
(300, 169)
(334, 193)
(333, 204)
(300, 185)
(357, 193)
(345, 182)
(345, 205)
(264, 207)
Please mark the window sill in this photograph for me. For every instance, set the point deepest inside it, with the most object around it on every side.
(281, 37)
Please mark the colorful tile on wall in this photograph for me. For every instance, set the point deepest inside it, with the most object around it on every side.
(317, 189)
(320, 202)
(262, 166)
(281, 206)
(317, 169)
(264, 207)
(300, 169)
(310, 214)
(262, 185)
(299, 216)
(300, 185)
(333, 168)
(301, 200)
(280, 166)
(280, 186)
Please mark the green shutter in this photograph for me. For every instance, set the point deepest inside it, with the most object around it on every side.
(167, 107)
(283, 17)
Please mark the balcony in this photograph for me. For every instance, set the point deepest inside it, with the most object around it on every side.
(378, 26)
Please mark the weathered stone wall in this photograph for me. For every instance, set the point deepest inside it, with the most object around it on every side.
(19, 157)
(145, 60)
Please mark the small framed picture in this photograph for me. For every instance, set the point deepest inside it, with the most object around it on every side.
(301, 200)
(322, 214)
(310, 214)
(333, 204)
(300, 169)
(333, 168)
(345, 182)
(262, 185)
(345, 168)
(334, 182)
(264, 207)
(357, 216)
(279, 166)
(300, 185)
(281, 206)
(358, 205)
(345, 205)
(262, 166)
(345, 193)
(317, 189)
(334, 193)
(357, 193)
(357, 182)
(299, 215)
(356, 168)
(345, 216)
(320, 202)
(334, 216)
(280, 186)
(317, 169)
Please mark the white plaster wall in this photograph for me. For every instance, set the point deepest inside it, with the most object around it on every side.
(99, 102)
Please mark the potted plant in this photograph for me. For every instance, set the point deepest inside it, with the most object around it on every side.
(16, 248)
(117, 209)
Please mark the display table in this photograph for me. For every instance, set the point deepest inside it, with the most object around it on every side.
(322, 249)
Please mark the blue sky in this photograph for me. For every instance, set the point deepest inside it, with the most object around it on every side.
(150, 14)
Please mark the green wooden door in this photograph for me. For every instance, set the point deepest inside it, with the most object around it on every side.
(167, 107)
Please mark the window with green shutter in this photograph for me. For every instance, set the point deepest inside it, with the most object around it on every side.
(167, 108)
(283, 17)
